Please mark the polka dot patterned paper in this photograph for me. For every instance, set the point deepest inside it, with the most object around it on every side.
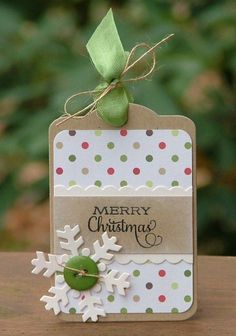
(134, 158)
(156, 288)
(123, 157)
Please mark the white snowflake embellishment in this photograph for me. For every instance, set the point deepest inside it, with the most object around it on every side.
(88, 303)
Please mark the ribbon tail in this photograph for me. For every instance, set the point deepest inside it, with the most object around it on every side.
(106, 50)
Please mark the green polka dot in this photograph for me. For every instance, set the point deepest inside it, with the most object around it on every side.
(72, 183)
(110, 145)
(98, 132)
(174, 158)
(187, 298)
(174, 183)
(149, 184)
(149, 158)
(149, 310)
(72, 311)
(174, 285)
(174, 310)
(123, 183)
(59, 145)
(188, 145)
(175, 132)
(124, 310)
(98, 183)
(136, 273)
(72, 157)
(110, 298)
(187, 273)
(97, 158)
(123, 158)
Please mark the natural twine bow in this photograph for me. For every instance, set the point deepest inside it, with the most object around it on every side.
(112, 109)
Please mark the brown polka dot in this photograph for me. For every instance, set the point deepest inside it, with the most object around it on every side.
(149, 285)
(162, 171)
(149, 132)
(59, 145)
(136, 298)
(85, 171)
(136, 145)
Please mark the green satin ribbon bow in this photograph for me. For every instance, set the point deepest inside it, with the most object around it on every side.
(109, 58)
(111, 98)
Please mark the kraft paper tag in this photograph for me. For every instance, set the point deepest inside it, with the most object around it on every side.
(137, 184)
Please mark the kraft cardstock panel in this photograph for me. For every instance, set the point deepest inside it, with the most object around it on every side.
(145, 225)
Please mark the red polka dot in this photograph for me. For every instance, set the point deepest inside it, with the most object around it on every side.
(162, 145)
(136, 171)
(187, 171)
(123, 132)
(110, 171)
(59, 171)
(162, 273)
(85, 145)
(162, 298)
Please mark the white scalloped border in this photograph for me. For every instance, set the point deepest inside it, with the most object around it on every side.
(124, 259)
(61, 190)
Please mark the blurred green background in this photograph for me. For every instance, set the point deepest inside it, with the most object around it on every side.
(43, 60)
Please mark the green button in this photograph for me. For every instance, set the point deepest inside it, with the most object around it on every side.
(80, 281)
